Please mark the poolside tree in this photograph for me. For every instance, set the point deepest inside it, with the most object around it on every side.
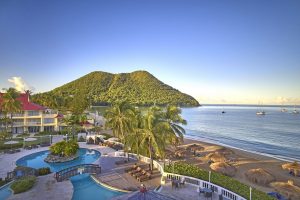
(135, 136)
(119, 118)
(10, 104)
(154, 139)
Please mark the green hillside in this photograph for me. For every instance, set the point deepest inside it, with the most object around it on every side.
(101, 88)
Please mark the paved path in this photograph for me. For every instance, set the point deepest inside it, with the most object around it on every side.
(47, 188)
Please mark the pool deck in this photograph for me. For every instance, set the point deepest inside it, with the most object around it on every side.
(47, 188)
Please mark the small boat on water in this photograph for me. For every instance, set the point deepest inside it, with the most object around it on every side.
(223, 112)
(260, 113)
(295, 111)
(284, 110)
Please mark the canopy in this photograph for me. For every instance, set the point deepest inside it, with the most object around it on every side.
(288, 189)
(259, 176)
(223, 168)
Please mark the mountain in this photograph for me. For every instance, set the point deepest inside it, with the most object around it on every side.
(102, 88)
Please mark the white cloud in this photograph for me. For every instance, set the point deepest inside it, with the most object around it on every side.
(20, 84)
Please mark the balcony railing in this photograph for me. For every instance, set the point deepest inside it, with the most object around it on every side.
(33, 123)
(18, 124)
(18, 115)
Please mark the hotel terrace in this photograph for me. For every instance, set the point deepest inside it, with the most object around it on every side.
(32, 118)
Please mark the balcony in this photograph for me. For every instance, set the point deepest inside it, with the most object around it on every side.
(49, 115)
(33, 123)
(18, 115)
(18, 124)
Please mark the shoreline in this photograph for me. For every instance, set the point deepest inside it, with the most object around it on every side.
(245, 161)
(278, 157)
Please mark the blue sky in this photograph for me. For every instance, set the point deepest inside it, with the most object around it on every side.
(217, 51)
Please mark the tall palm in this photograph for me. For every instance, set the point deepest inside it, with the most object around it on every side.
(174, 120)
(135, 136)
(119, 119)
(154, 139)
(10, 104)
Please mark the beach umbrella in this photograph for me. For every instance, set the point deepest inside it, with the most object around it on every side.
(292, 166)
(259, 176)
(224, 151)
(216, 157)
(148, 195)
(287, 189)
(223, 168)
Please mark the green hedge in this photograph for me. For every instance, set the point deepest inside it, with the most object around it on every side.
(44, 171)
(23, 184)
(218, 179)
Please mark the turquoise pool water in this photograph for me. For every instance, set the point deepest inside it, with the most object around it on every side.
(36, 160)
(5, 192)
(86, 188)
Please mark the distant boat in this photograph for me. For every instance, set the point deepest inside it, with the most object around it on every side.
(295, 111)
(260, 111)
(284, 110)
(223, 112)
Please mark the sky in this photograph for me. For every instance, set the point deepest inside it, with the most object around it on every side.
(220, 52)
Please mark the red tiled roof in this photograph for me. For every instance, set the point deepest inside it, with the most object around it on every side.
(26, 104)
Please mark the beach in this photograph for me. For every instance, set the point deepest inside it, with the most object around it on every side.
(243, 161)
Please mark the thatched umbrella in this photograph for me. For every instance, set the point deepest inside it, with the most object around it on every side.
(294, 167)
(223, 168)
(195, 147)
(180, 153)
(224, 151)
(259, 176)
(216, 157)
(288, 189)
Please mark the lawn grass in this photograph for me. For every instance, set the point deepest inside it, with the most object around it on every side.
(23, 184)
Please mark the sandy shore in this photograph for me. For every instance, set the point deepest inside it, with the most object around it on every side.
(243, 161)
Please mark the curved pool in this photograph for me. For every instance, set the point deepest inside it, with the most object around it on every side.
(86, 188)
(36, 160)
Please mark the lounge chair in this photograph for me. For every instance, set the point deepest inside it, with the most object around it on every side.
(139, 174)
(138, 169)
(146, 177)
(133, 167)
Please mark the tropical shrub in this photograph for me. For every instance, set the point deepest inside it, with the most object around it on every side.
(44, 171)
(24, 184)
(216, 178)
(64, 148)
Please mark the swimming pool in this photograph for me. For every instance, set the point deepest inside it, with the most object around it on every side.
(86, 188)
(5, 192)
(36, 160)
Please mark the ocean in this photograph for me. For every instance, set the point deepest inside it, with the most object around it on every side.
(276, 134)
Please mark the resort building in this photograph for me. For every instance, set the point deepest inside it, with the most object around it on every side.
(32, 118)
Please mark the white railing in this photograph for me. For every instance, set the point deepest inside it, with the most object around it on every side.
(189, 180)
(33, 123)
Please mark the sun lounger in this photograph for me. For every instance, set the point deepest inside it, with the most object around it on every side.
(138, 169)
(146, 177)
(139, 174)
(133, 167)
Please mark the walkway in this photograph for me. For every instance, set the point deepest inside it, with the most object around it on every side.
(47, 188)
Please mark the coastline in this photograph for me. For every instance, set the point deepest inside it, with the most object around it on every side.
(245, 160)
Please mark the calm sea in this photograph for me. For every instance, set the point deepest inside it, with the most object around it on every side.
(276, 134)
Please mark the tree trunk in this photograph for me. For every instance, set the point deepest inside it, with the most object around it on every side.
(11, 124)
(150, 155)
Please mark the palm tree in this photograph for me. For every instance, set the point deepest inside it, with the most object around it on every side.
(119, 118)
(154, 139)
(10, 104)
(174, 120)
(134, 138)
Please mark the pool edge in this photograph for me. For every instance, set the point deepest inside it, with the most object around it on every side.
(108, 186)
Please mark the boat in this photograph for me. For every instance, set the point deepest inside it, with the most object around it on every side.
(295, 111)
(223, 112)
(260, 112)
(284, 110)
